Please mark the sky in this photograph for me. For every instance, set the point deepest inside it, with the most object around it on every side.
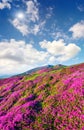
(40, 32)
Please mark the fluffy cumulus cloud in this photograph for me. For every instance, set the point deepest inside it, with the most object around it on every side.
(59, 50)
(78, 30)
(31, 23)
(18, 56)
(5, 4)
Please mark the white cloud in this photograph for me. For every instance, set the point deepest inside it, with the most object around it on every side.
(78, 30)
(19, 56)
(20, 25)
(59, 50)
(49, 12)
(37, 27)
(25, 29)
(59, 34)
(30, 24)
(5, 4)
(32, 10)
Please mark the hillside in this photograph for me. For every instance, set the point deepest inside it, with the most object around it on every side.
(47, 99)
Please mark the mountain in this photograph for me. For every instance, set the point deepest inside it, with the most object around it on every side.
(49, 98)
(4, 76)
(42, 68)
(36, 69)
(32, 71)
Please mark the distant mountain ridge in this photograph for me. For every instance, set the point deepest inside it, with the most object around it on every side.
(41, 68)
(38, 68)
(4, 76)
(34, 70)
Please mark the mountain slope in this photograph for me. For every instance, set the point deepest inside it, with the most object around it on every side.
(43, 68)
(36, 69)
(48, 99)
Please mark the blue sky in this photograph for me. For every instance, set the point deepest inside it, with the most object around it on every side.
(35, 33)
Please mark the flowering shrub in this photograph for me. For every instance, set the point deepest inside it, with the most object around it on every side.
(50, 99)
